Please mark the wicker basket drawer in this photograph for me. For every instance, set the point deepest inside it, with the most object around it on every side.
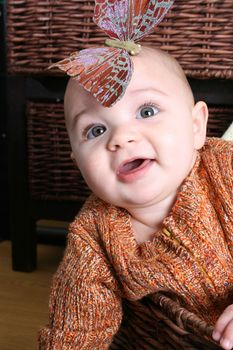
(220, 119)
(52, 174)
(197, 32)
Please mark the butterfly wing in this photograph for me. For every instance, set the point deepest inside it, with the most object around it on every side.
(129, 19)
(147, 15)
(111, 16)
(104, 72)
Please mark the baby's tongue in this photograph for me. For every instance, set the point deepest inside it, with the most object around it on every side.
(131, 165)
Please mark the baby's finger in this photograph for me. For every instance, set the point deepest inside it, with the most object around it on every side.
(226, 340)
(223, 330)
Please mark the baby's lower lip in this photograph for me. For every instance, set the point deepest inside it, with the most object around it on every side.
(128, 174)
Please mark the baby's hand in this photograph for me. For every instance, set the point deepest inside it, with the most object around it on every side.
(223, 330)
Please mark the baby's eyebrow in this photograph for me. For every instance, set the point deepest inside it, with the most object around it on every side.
(150, 89)
(77, 117)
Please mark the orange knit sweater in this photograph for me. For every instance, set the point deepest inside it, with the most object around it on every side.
(103, 264)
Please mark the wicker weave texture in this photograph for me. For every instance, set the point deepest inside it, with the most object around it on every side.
(199, 33)
(162, 323)
(52, 174)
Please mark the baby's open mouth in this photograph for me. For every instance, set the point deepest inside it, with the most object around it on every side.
(133, 165)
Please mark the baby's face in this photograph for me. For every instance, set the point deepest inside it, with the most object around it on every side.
(139, 151)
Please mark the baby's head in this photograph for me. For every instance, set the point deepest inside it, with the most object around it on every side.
(140, 150)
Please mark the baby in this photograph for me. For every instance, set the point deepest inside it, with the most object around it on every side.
(161, 214)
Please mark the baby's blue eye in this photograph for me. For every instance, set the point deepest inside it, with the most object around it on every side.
(147, 112)
(95, 131)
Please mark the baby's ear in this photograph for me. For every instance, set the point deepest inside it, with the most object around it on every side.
(200, 117)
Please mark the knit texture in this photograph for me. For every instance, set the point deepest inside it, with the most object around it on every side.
(191, 257)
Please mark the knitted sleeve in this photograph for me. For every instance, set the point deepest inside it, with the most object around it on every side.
(85, 309)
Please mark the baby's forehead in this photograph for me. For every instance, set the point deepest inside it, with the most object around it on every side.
(160, 60)
(164, 69)
(76, 97)
(73, 89)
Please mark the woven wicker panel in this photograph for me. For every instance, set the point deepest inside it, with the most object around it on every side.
(220, 119)
(162, 324)
(52, 174)
(197, 32)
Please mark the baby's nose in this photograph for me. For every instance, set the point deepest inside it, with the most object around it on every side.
(121, 137)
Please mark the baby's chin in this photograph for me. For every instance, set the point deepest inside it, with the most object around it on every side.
(131, 203)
